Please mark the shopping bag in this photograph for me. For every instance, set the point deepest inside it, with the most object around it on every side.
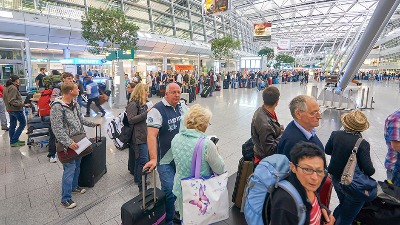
(205, 199)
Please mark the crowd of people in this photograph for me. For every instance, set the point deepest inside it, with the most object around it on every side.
(164, 135)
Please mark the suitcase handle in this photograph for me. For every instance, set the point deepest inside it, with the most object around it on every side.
(98, 138)
(144, 172)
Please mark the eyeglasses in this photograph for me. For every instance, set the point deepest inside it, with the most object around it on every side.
(316, 113)
(309, 171)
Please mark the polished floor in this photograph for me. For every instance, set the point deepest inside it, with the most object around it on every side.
(30, 186)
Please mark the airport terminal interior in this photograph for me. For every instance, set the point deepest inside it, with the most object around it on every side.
(348, 50)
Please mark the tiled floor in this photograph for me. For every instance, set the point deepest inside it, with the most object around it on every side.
(30, 186)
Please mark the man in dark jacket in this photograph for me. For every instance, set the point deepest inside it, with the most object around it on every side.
(306, 115)
(79, 82)
(265, 128)
(307, 173)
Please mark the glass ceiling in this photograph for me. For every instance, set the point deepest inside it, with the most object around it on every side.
(308, 23)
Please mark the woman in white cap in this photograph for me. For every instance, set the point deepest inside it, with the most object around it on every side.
(340, 146)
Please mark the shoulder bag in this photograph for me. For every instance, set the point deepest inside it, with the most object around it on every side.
(205, 199)
(355, 182)
(65, 154)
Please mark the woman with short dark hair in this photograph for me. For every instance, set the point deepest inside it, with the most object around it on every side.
(14, 105)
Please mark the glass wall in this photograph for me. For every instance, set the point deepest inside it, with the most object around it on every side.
(177, 18)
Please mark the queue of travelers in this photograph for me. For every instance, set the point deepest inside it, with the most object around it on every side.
(164, 135)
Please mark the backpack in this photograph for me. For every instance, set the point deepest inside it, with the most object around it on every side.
(119, 131)
(268, 175)
(44, 102)
(51, 80)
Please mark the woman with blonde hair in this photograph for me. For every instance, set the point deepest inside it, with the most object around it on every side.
(196, 123)
(136, 111)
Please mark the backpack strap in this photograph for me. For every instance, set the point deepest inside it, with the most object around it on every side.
(301, 208)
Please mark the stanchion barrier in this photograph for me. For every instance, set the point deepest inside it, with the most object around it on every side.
(324, 98)
(362, 98)
(366, 101)
(348, 108)
(340, 101)
(332, 100)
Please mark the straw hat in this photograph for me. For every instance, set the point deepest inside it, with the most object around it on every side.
(355, 121)
(36, 97)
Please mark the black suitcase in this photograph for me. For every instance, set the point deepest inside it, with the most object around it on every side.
(192, 94)
(150, 211)
(38, 123)
(206, 92)
(161, 92)
(225, 84)
(93, 166)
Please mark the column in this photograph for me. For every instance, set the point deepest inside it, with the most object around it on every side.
(383, 12)
(165, 66)
(66, 53)
(28, 62)
(150, 15)
(120, 83)
(199, 66)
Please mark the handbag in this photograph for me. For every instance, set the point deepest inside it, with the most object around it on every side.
(67, 155)
(205, 199)
(355, 182)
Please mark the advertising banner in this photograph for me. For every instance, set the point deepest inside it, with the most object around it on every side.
(284, 44)
(262, 32)
(183, 67)
(216, 6)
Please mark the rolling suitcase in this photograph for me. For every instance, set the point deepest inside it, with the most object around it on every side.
(206, 92)
(148, 208)
(161, 92)
(225, 84)
(245, 169)
(325, 192)
(93, 166)
(38, 123)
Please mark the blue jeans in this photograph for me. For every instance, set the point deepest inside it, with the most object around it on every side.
(80, 101)
(348, 207)
(14, 117)
(3, 118)
(70, 178)
(167, 173)
(140, 161)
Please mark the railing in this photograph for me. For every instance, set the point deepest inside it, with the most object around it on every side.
(330, 100)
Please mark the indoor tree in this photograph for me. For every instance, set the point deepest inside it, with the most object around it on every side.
(223, 48)
(107, 30)
(283, 58)
(268, 53)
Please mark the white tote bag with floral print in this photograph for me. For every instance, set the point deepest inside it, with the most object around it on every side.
(205, 199)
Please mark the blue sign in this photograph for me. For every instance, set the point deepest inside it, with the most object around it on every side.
(75, 61)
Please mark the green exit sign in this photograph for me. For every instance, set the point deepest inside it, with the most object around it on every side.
(120, 54)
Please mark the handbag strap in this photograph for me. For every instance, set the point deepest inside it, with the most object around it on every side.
(357, 145)
(196, 158)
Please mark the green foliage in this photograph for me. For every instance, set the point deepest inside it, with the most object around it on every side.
(223, 48)
(267, 52)
(108, 29)
(284, 59)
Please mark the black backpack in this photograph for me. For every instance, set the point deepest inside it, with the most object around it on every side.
(385, 209)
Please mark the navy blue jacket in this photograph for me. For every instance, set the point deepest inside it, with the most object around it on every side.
(293, 135)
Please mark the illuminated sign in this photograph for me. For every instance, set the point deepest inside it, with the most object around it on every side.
(262, 32)
(75, 61)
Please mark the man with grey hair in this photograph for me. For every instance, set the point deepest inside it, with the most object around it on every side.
(163, 123)
(306, 115)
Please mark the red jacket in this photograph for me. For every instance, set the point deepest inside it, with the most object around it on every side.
(1, 91)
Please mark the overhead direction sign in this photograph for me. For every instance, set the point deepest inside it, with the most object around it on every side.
(120, 54)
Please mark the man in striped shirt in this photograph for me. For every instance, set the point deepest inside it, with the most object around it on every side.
(392, 138)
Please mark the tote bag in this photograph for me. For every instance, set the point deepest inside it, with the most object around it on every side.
(205, 199)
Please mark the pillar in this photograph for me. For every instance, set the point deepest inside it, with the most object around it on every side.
(120, 83)
(28, 63)
(383, 12)
(66, 53)
(165, 66)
